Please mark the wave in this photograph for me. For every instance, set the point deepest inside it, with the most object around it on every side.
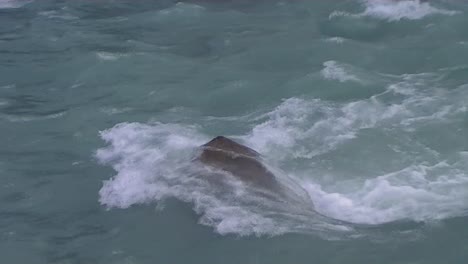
(28, 118)
(420, 192)
(8, 4)
(108, 56)
(303, 141)
(395, 10)
(181, 12)
(337, 40)
(153, 162)
(333, 71)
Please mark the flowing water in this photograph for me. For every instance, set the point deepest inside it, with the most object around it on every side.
(359, 107)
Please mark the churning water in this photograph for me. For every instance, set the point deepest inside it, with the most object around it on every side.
(359, 107)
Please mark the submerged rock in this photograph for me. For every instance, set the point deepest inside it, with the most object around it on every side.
(239, 160)
(246, 165)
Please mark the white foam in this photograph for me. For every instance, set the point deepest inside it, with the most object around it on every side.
(392, 10)
(307, 128)
(336, 14)
(53, 14)
(153, 161)
(109, 56)
(29, 118)
(319, 125)
(7, 4)
(8, 86)
(412, 193)
(334, 71)
(181, 10)
(338, 40)
(115, 110)
(397, 10)
(134, 153)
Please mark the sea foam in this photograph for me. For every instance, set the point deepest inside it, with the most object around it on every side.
(395, 10)
(334, 71)
(154, 161)
(7, 4)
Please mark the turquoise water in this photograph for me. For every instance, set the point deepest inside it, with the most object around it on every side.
(360, 107)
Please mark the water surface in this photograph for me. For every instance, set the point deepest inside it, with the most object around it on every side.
(360, 107)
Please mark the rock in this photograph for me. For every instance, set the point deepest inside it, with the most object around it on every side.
(240, 161)
(246, 165)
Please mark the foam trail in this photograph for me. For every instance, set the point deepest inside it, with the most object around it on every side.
(289, 126)
(420, 192)
(406, 194)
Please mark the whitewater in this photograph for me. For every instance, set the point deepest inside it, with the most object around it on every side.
(358, 107)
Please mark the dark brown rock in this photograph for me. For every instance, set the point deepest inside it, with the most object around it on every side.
(237, 159)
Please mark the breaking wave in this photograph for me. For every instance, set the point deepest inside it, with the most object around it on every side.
(333, 71)
(7, 4)
(395, 10)
(306, 141)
